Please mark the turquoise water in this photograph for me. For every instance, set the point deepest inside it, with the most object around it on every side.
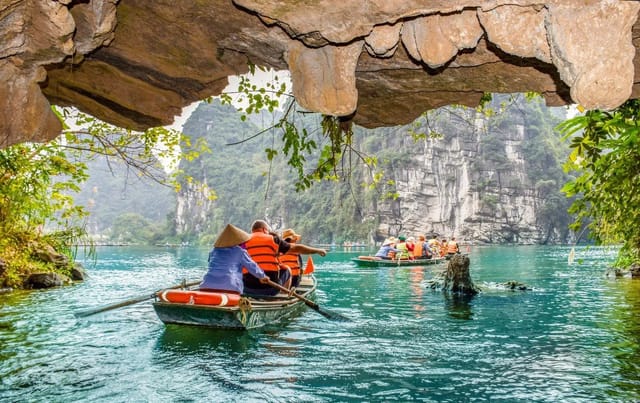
(575, 337)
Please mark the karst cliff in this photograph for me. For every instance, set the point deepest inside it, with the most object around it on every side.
(136, 63)
(483, 179)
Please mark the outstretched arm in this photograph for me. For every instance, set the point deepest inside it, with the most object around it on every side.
(306, 250)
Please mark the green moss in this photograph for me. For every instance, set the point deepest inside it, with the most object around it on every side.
(18, 251)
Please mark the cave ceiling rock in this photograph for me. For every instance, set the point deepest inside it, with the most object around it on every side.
(33, 34)
(96, 23)
(324, 79)
(593, 51)
(501, 22)
(383, 40)
(437, 39)
(590, 44)
(136, 63)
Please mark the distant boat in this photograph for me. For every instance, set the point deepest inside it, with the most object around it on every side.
(228, 311)
(370, 261)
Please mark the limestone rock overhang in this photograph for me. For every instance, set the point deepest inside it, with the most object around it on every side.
(137, 63)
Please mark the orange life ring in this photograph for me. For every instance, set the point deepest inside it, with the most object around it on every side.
(199, 297)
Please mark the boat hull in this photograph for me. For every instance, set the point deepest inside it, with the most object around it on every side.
(395, 263)
(252, 313)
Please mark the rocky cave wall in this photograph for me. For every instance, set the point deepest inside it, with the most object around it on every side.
(136, 63)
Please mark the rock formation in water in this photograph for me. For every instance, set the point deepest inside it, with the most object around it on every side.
(136, 63)
(456, 278)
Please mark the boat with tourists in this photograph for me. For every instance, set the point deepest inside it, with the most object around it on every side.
(232, 311)
(372, 261)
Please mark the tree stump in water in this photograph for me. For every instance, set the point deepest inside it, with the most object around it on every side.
(457, 278)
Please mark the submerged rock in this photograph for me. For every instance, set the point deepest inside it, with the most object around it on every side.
(515, 285)
(456, 277)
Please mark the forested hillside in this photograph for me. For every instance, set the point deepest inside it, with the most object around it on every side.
(124, 207)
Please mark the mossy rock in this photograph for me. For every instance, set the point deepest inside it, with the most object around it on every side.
(46, 280)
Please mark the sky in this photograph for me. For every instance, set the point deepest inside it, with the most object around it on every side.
(260, 79)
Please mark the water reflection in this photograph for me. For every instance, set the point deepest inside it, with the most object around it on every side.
(458, 306)
(575, 338)
(188, 340)
(417, 288)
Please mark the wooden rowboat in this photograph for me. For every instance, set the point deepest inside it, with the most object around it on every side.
(250, 313)
(370, 261)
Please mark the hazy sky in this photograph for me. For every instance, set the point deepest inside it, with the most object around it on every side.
(260, 79)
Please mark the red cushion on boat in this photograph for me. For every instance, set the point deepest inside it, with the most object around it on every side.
(200, 297)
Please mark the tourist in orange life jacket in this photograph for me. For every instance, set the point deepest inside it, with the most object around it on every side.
(292, 259)
(422, 249)
(226, 260)
(264, 247)
(452, 247)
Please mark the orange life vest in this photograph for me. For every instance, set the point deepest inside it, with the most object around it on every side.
(417, 249)
(452, 247)
(292, 260)
(263, 250)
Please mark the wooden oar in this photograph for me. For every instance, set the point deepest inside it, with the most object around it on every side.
(131, 301)
(309, 303)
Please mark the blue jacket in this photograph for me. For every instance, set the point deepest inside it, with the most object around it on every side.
(225, 269)
(384, 251)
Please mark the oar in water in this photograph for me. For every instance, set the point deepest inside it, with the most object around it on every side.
(309, 303)
(131, 301)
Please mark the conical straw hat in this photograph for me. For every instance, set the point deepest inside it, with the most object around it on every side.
(231, 236)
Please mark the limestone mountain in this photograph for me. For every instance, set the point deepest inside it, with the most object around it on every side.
(456, 172)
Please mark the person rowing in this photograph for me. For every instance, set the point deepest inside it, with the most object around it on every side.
(226, 261)
(387, 251)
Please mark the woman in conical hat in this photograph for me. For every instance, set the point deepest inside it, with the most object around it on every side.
(226, 260)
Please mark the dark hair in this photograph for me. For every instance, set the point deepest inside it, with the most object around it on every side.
(259, 224)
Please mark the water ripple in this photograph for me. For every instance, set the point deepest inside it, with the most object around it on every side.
(574, 336)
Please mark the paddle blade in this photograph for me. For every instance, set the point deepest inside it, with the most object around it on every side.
(332, 315)
(309, 268)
